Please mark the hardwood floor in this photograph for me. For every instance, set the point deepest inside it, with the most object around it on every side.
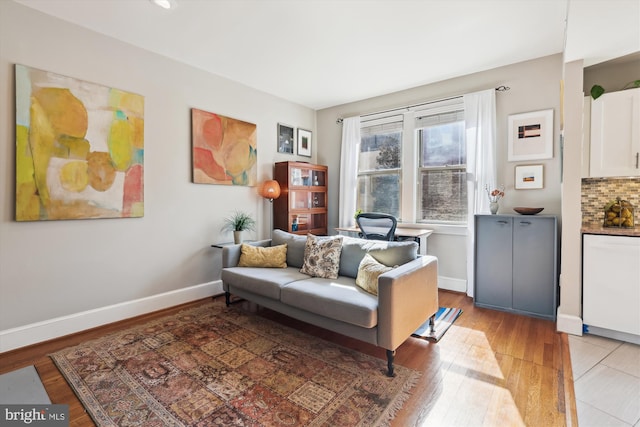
(491, 368)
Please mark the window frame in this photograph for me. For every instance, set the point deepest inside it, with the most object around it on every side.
(390, 121)
(462, 167)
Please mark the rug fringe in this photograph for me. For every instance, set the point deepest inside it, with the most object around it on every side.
(400, 400)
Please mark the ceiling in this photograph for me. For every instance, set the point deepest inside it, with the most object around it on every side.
(322, 53)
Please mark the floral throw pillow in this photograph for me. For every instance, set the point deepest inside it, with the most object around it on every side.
(322, 256)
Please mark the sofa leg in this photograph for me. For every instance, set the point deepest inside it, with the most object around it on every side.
(390, 355)
(432, 324)
(227, 298)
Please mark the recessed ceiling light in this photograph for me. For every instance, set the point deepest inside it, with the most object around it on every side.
(165, 4)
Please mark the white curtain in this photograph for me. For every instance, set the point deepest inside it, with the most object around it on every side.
(349, 170)
(480, 123)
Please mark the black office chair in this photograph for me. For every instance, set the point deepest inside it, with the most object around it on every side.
(377, 226)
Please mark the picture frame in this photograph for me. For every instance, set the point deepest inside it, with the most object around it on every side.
(529, 177)
(304, 142)
(286, 139)
(530, 136)
(239, 139)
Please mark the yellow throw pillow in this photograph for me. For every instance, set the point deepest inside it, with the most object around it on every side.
(257, 256)
(368, 272)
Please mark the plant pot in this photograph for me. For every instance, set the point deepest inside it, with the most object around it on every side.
(237, 237)
(493, 207)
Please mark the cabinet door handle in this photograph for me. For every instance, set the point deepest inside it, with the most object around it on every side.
(637, 159)
(525, 222)
(502, 221)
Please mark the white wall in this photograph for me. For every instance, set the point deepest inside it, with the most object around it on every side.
(570, 309)
(535, 85)
(51, 269)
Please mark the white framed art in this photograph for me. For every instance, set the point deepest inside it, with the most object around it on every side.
(529, 177)
(304, 142)
(530, 136)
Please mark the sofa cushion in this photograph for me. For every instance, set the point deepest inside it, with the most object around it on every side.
(261, 281)
(322, 256)
(387, 253)
(368, 273)
(338, 299)
(295, 246)
(269, 257)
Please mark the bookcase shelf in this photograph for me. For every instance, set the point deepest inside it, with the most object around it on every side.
(302, 205)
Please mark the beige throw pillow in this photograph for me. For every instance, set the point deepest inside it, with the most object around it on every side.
(368, 272)
(322, 256)
(257, 256)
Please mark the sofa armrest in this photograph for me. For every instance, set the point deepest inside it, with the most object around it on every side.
(407, 297)
(231, 253)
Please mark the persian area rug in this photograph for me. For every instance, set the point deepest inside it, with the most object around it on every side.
(444, 319)
(218, 366)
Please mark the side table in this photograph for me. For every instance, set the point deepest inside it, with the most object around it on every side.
(222, 245)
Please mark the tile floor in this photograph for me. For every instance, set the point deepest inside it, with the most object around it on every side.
(606, 375)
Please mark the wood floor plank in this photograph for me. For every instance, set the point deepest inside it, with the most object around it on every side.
(491, 368)
(503, 401)
(569, 402)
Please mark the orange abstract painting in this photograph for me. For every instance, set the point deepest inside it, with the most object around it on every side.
(79, 149)
(224, 150)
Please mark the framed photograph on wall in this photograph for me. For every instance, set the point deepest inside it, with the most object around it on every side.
(304, 142)
(529, 177)
(530, 136)
(286, 139)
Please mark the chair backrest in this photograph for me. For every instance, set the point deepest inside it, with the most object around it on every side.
(377, 226)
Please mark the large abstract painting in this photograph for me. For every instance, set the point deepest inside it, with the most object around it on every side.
(224, 150)
(79, 149)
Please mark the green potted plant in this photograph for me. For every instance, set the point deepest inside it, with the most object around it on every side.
(597, 90)
(238, 222)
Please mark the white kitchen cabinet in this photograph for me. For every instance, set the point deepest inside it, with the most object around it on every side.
(611, 283)
(615, 134)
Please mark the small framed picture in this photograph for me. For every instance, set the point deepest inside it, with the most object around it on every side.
(304, 142)
(531, 136)
(529, 177)
(286, 139)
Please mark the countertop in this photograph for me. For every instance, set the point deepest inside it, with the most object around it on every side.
(597, 228)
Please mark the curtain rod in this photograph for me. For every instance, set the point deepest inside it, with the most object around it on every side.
(501, 88)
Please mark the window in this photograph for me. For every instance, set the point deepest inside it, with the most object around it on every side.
(413, 165)
(379, 167)
(442, 194)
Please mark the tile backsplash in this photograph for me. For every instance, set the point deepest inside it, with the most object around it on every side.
(597, 192)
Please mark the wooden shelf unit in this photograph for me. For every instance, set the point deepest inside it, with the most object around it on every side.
(302, 205)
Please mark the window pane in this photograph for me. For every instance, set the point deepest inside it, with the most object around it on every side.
(379, 151)
(443, 145)
(444, 195)
(379, 193)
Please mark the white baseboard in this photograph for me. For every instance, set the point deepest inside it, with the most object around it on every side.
(22, 336)
(568, 323)
(452, 284)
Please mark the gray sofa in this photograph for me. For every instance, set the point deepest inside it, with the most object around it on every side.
(407, 294)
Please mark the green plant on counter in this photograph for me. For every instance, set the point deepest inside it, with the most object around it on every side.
(239, 221)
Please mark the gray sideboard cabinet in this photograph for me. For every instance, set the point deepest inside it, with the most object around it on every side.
(516, 264)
